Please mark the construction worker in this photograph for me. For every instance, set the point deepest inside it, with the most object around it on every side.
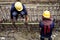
(18, 8)
(46, 25)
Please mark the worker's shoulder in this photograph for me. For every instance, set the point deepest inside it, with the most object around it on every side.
(12, 4)
(24, 7)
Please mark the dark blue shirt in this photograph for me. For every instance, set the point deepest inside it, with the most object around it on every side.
(41, 25)
(23, 12)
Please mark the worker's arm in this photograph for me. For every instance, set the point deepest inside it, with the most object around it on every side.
(26, 14)
(11, 12)
(26, 19)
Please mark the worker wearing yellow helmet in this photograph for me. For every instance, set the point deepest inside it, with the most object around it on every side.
(16, 9)
(18, 6)
(46, 25)
(46, 14)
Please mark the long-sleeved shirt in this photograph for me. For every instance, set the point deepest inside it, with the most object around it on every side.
(46, 30)
(13, 9)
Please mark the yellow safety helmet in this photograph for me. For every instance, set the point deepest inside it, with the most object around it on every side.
(46, 14)
(18, 6)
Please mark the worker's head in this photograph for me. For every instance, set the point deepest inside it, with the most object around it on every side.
(18, 6)
(46, 14)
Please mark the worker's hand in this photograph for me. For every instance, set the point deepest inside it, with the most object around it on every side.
(26, 23)
(13, 23)
(26, 20)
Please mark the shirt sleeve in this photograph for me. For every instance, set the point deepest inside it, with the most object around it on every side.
(53, 24)
(40, 24)
(24, 9)
(12, 8)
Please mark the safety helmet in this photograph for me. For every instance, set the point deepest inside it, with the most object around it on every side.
(46, 14)
(18, 6)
